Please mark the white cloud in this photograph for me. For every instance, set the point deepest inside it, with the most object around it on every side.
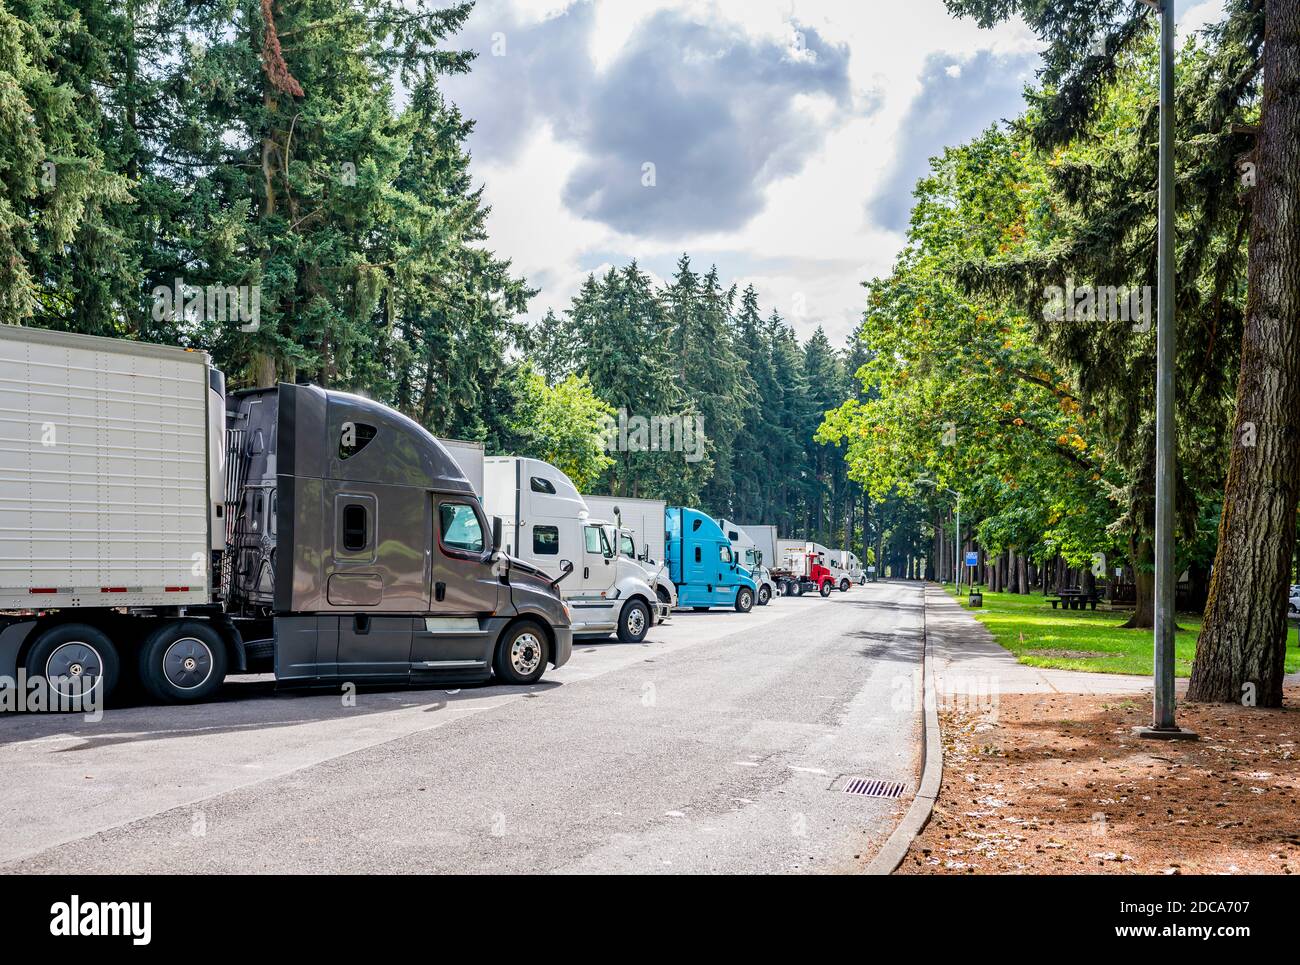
(812, 236)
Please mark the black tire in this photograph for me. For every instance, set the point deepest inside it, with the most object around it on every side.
(521, 654)
(183, 662)
(798, 589)
(844, 585)
(744, 599)
(764, 595)
(75, 651)
(634, 622)
(826, 588)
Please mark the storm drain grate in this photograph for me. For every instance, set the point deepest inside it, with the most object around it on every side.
(874, 788)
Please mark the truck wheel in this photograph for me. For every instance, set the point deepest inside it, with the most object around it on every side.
(183, 662)
(75, 659)
(633, 622)
(844, 585)
(764, 594)
(521, 654)
(744, 600)
(798, 589)
(826, 588)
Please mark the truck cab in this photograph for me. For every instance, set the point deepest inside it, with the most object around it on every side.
(840, 563)
(546, 523)
(375, 561)
(655, 571)
(702, 563)
(751, 559)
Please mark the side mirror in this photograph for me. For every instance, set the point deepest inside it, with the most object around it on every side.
(566, 567)
(496, 534)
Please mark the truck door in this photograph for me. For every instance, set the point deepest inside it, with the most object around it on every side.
(698, 573)
(463, 583)
(597, 559)
(463, 588)
(724, 588)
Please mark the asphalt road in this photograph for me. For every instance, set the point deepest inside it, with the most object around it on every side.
(720, 744)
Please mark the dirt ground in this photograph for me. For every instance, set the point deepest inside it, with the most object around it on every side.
(1058, 784)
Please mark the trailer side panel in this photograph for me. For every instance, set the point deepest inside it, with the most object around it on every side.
(104, 460)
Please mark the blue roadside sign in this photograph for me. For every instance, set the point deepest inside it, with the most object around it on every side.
(972, 559)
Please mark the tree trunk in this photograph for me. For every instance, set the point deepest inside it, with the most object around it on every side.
(1144, 584)
(1243, 643)
(263, 370)
(1022, 574)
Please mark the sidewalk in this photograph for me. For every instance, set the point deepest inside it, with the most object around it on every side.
(964, 648)
(1042, 772)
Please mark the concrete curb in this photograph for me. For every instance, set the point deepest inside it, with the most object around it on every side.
(918, 813)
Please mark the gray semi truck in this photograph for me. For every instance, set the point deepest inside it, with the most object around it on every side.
(154, 529)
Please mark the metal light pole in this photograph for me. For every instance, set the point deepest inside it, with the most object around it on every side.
(956, 549)
(1162, 722)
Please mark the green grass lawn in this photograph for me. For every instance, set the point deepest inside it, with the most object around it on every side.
(1084, 639)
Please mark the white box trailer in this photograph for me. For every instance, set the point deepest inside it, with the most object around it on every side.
(111, 471)
(792, 555)
(469, 456)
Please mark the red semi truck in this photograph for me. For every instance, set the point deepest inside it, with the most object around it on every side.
(801, 569)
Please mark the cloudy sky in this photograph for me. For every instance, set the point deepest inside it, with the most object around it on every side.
(777, 139)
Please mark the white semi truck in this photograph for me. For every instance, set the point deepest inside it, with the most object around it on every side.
(764, 538)
(547, 523)
(854, 567)
(153, 527)
(752, 559)
(640, 524)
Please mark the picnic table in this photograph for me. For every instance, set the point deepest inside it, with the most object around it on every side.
(1073, 598)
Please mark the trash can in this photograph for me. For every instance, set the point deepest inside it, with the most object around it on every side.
(976, 599)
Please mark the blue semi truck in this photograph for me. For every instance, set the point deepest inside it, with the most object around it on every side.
(702, 564)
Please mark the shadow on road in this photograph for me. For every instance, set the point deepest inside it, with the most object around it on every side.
(242, 704)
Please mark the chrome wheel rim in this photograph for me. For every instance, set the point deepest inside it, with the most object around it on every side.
(526, 653)
(74, 669)
(635, 620)
(187, 664)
